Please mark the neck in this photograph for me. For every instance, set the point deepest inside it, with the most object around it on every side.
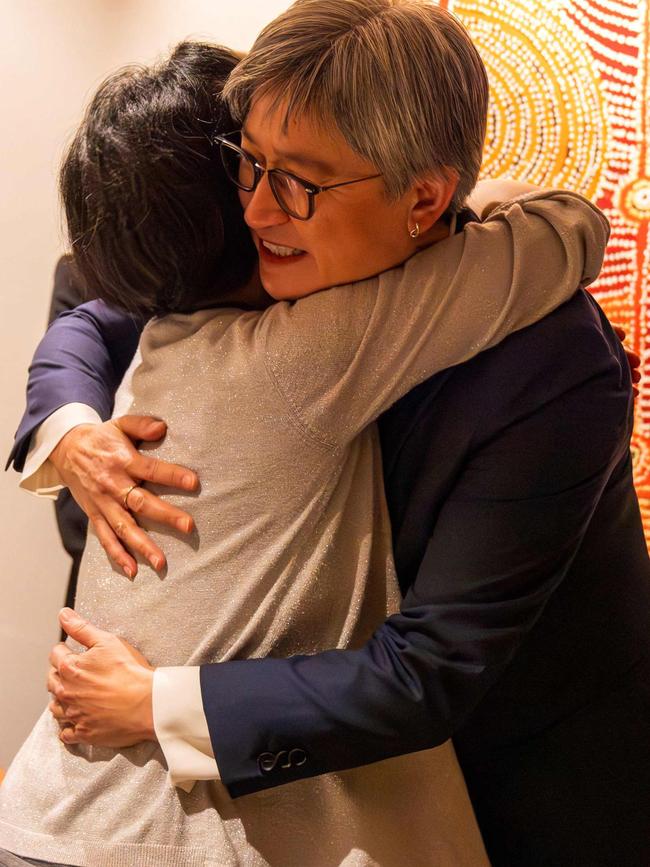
(250, 296)
(438, 232)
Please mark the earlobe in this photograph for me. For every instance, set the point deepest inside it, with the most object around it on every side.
(432, 198)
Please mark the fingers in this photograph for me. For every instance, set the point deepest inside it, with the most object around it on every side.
(122, 538)
(141, 427)
(72, 735)
(112, 545)
(143, 468)
(58, 692)
(58, 654)
(130, 535)
(54, 685)
(119, 533)
(148, 505)
(633, 358)
(82, 631)
(161, 473)
(114, 482)
(64, 666)
(107, 538)
(99, 464)
(65, 716)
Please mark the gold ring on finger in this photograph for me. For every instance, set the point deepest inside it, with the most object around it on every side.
(125, 498)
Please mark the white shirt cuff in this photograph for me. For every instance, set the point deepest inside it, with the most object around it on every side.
(181, 727)
(39, 475)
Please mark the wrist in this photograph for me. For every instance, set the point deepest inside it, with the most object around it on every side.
(58, 455)
(146, 731)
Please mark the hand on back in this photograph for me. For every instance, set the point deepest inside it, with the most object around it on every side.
(100, 463)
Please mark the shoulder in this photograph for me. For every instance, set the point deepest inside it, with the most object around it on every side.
(569, 370)
(548, 407)
(572, 346)
(198, 333)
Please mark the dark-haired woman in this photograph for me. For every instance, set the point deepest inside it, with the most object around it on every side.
(275, 411)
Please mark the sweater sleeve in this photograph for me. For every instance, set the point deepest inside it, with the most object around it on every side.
(342, 356)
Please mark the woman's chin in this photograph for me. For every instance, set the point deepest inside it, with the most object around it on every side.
(290, 284)
(286, 293)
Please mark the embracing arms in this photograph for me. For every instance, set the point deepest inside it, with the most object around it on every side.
(488, 279)
(343, 356)
(533, 436)
(453, 358)
(73, 378)
(493, 493)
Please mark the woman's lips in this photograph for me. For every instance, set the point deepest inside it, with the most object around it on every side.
(273, 258)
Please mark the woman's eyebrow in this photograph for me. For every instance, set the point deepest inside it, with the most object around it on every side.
(309, 162)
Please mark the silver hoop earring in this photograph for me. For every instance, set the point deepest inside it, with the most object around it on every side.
(415, 231)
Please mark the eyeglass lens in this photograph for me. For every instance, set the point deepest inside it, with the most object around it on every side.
(289, 193)
(239, 169)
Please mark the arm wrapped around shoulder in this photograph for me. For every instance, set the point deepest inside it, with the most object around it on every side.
(377, 339)
(582, 228)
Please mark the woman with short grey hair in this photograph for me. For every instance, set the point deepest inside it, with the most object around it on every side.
(400, 80)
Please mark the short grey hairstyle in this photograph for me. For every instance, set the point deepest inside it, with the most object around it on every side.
(400, 79)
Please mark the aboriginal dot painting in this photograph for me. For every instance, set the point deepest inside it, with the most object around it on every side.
(570, 107)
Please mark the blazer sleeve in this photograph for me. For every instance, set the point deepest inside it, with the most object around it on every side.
(502, 540)
(81, 359)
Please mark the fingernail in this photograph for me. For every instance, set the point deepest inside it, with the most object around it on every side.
(65, 613)
(188, 481)
(128, 571)
(156, 562)
(184, 525)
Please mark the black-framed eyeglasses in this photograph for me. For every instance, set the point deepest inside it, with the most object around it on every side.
(294, 194)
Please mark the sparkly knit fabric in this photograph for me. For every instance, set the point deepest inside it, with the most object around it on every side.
(292, 552)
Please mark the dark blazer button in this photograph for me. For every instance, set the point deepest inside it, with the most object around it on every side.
(266, 762)
(284, 759)
(297, 757)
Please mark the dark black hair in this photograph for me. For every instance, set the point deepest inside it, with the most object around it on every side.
(154, 223)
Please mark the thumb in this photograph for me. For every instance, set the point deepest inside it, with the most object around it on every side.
(79, 629)
(141, 427)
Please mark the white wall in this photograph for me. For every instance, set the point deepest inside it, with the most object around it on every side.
(53, 53)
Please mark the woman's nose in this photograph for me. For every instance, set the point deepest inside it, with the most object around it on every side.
(261, 208)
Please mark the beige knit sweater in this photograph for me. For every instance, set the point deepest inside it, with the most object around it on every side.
(292, 552)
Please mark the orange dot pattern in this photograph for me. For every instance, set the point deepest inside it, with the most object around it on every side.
(570, 107)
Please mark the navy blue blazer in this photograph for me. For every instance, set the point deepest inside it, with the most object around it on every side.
(525, 627)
